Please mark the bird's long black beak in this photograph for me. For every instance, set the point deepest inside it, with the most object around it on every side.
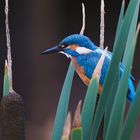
(52, 50)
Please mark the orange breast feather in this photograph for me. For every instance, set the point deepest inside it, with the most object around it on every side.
(81, 73)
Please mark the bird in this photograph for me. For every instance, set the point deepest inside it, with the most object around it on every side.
(85, 55)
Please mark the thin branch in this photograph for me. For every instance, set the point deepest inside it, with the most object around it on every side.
(8, 45)
(102, 25)
(84, 16)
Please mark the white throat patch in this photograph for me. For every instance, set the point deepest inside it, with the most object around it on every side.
(67, 55)
(83, 50)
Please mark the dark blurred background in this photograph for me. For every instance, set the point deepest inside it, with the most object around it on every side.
(39, 24)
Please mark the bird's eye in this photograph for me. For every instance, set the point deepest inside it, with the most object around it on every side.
(63, 46)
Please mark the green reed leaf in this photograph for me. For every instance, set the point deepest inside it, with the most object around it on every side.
(132, 117)
(119, 46)
(131, 33)
(88, 107)
(76, 133)
(116, 118)
(121, 17)
(63, 105)
(6, 89)
(111, 100)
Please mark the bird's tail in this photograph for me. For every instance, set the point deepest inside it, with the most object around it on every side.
(131, 93)
(131, 96)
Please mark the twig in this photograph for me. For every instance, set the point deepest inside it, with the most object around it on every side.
(83, 24)
(102, 25)
(8, 46)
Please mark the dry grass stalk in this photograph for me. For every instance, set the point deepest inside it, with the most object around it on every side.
(102, 24)
(8, 45)
(84, 16)
(77, 116)
(67, 127)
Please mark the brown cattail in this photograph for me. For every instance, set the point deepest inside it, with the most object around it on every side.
(12, 118)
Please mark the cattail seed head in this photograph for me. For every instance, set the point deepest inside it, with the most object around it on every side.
(12, 117)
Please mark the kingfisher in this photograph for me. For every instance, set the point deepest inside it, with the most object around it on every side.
(85, 55)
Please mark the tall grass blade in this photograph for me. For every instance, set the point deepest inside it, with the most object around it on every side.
(88, 108)
(118, 50)
(131, 33)
(134, 110)
(76, 134)
(121, 17)
(116, 118)
(111, 100)
(6, 89)
(127, 22)
(63, 105)
(132, 116)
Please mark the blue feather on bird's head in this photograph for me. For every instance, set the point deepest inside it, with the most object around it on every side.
(80, 40)
(73, 45)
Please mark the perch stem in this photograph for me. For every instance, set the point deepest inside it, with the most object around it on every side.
(9, 59)
(102, 24)
(84, 16)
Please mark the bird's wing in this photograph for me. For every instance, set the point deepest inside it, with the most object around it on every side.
(109, 55)
(89, 61)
